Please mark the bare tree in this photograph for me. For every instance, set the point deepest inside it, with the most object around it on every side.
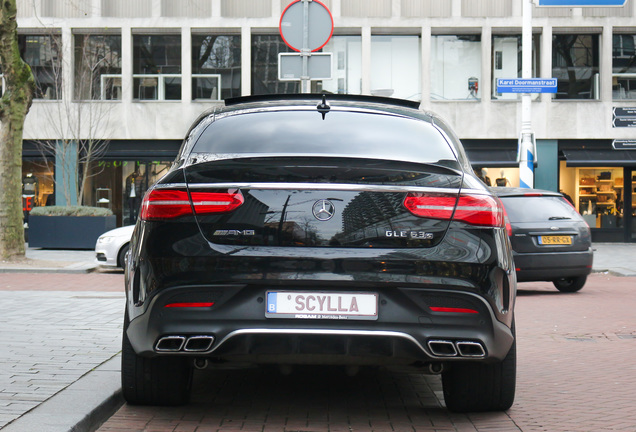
(14, 106)
(79, 123)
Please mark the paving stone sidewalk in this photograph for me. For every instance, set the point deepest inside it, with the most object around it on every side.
(51, 339)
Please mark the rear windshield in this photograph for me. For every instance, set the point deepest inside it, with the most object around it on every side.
(535, 209)
(375, 136)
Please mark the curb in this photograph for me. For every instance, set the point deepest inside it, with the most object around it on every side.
(81, 407)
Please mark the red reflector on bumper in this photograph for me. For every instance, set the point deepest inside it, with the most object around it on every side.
(453, 310)
(189, 305)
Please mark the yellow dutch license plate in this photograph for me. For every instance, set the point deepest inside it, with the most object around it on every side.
(555, 240)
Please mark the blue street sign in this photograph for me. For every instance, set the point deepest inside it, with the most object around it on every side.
(582, 3)
(527, 85)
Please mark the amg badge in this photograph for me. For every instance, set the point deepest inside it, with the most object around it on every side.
(233, 233)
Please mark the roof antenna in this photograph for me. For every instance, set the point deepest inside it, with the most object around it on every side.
(322, 107)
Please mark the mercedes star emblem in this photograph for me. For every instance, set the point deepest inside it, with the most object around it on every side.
(323, 210)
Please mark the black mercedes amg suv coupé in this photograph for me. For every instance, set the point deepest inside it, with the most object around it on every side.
(313, 229)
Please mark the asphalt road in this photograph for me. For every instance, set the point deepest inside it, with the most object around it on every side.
(576, 372)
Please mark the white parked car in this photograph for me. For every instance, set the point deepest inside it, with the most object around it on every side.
(112, 246)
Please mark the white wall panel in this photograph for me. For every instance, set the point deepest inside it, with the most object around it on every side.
(127, 8)
(426, 8)
(25, 8)
(366, 8)
(246, 8)
(486, 8)
(186, 8)
(67, 8)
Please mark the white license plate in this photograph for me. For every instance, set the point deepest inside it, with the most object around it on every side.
(321, 305)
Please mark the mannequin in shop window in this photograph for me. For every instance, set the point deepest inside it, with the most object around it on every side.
(133, 194)
(483, 176)
(502, 181)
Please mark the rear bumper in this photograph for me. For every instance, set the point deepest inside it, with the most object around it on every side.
(402, 334)
(552, 265)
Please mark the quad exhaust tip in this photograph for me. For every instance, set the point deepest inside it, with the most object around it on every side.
(199, 343)
(447, 348)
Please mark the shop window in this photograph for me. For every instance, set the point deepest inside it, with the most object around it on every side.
(121, 184)
(455, 67)
(346, 71)
(157, 67)
(624, 66)
(499, 177)
(575, 64)
(216, 67)
(396, 67)
(507, 62)
(97, 67)
(599, 196)
(43, 54)
(38, 186)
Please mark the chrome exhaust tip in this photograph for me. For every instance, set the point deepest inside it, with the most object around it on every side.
(170, 344)
(471, 349)
(441, 348)
(198, 343)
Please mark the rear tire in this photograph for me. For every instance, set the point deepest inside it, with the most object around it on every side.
(571, 284)
(472, 387)
(153, 381)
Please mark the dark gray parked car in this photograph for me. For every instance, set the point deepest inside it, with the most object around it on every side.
(550, 239)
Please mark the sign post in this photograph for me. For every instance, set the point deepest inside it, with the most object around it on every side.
(527, 148)
(305, 26)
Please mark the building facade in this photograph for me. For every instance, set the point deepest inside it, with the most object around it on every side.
(123, 80)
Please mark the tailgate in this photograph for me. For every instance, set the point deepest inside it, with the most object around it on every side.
(320, 202)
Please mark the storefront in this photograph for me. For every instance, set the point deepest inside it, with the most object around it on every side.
(123, 174)
(601, 181)
(118, 180)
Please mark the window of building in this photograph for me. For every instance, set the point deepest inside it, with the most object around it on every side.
(265, 49)
(396, 67)
(346, 67)
(156, 67)
(575, 64)
(97, 67)
(507, 62)
(216, 67)
(43, 54)
(624, 66)
(455, 67)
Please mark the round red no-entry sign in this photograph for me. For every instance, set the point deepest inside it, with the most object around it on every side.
(319, 25)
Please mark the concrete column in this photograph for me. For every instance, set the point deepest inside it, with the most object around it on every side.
(156, 9)
(126, 65)
(246, 60)
(366, 60)
(546, 174)
(485, 84)
(605, 67)
(216, 8)
(426, 67)
(186, 64)
(456, 9)
(546, 59)
(68, 66)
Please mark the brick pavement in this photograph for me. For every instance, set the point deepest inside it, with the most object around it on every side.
(54, 328)
(576, 373)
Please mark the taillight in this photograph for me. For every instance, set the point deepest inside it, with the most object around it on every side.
(174, 203)
(506, 219)
(481, 210)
